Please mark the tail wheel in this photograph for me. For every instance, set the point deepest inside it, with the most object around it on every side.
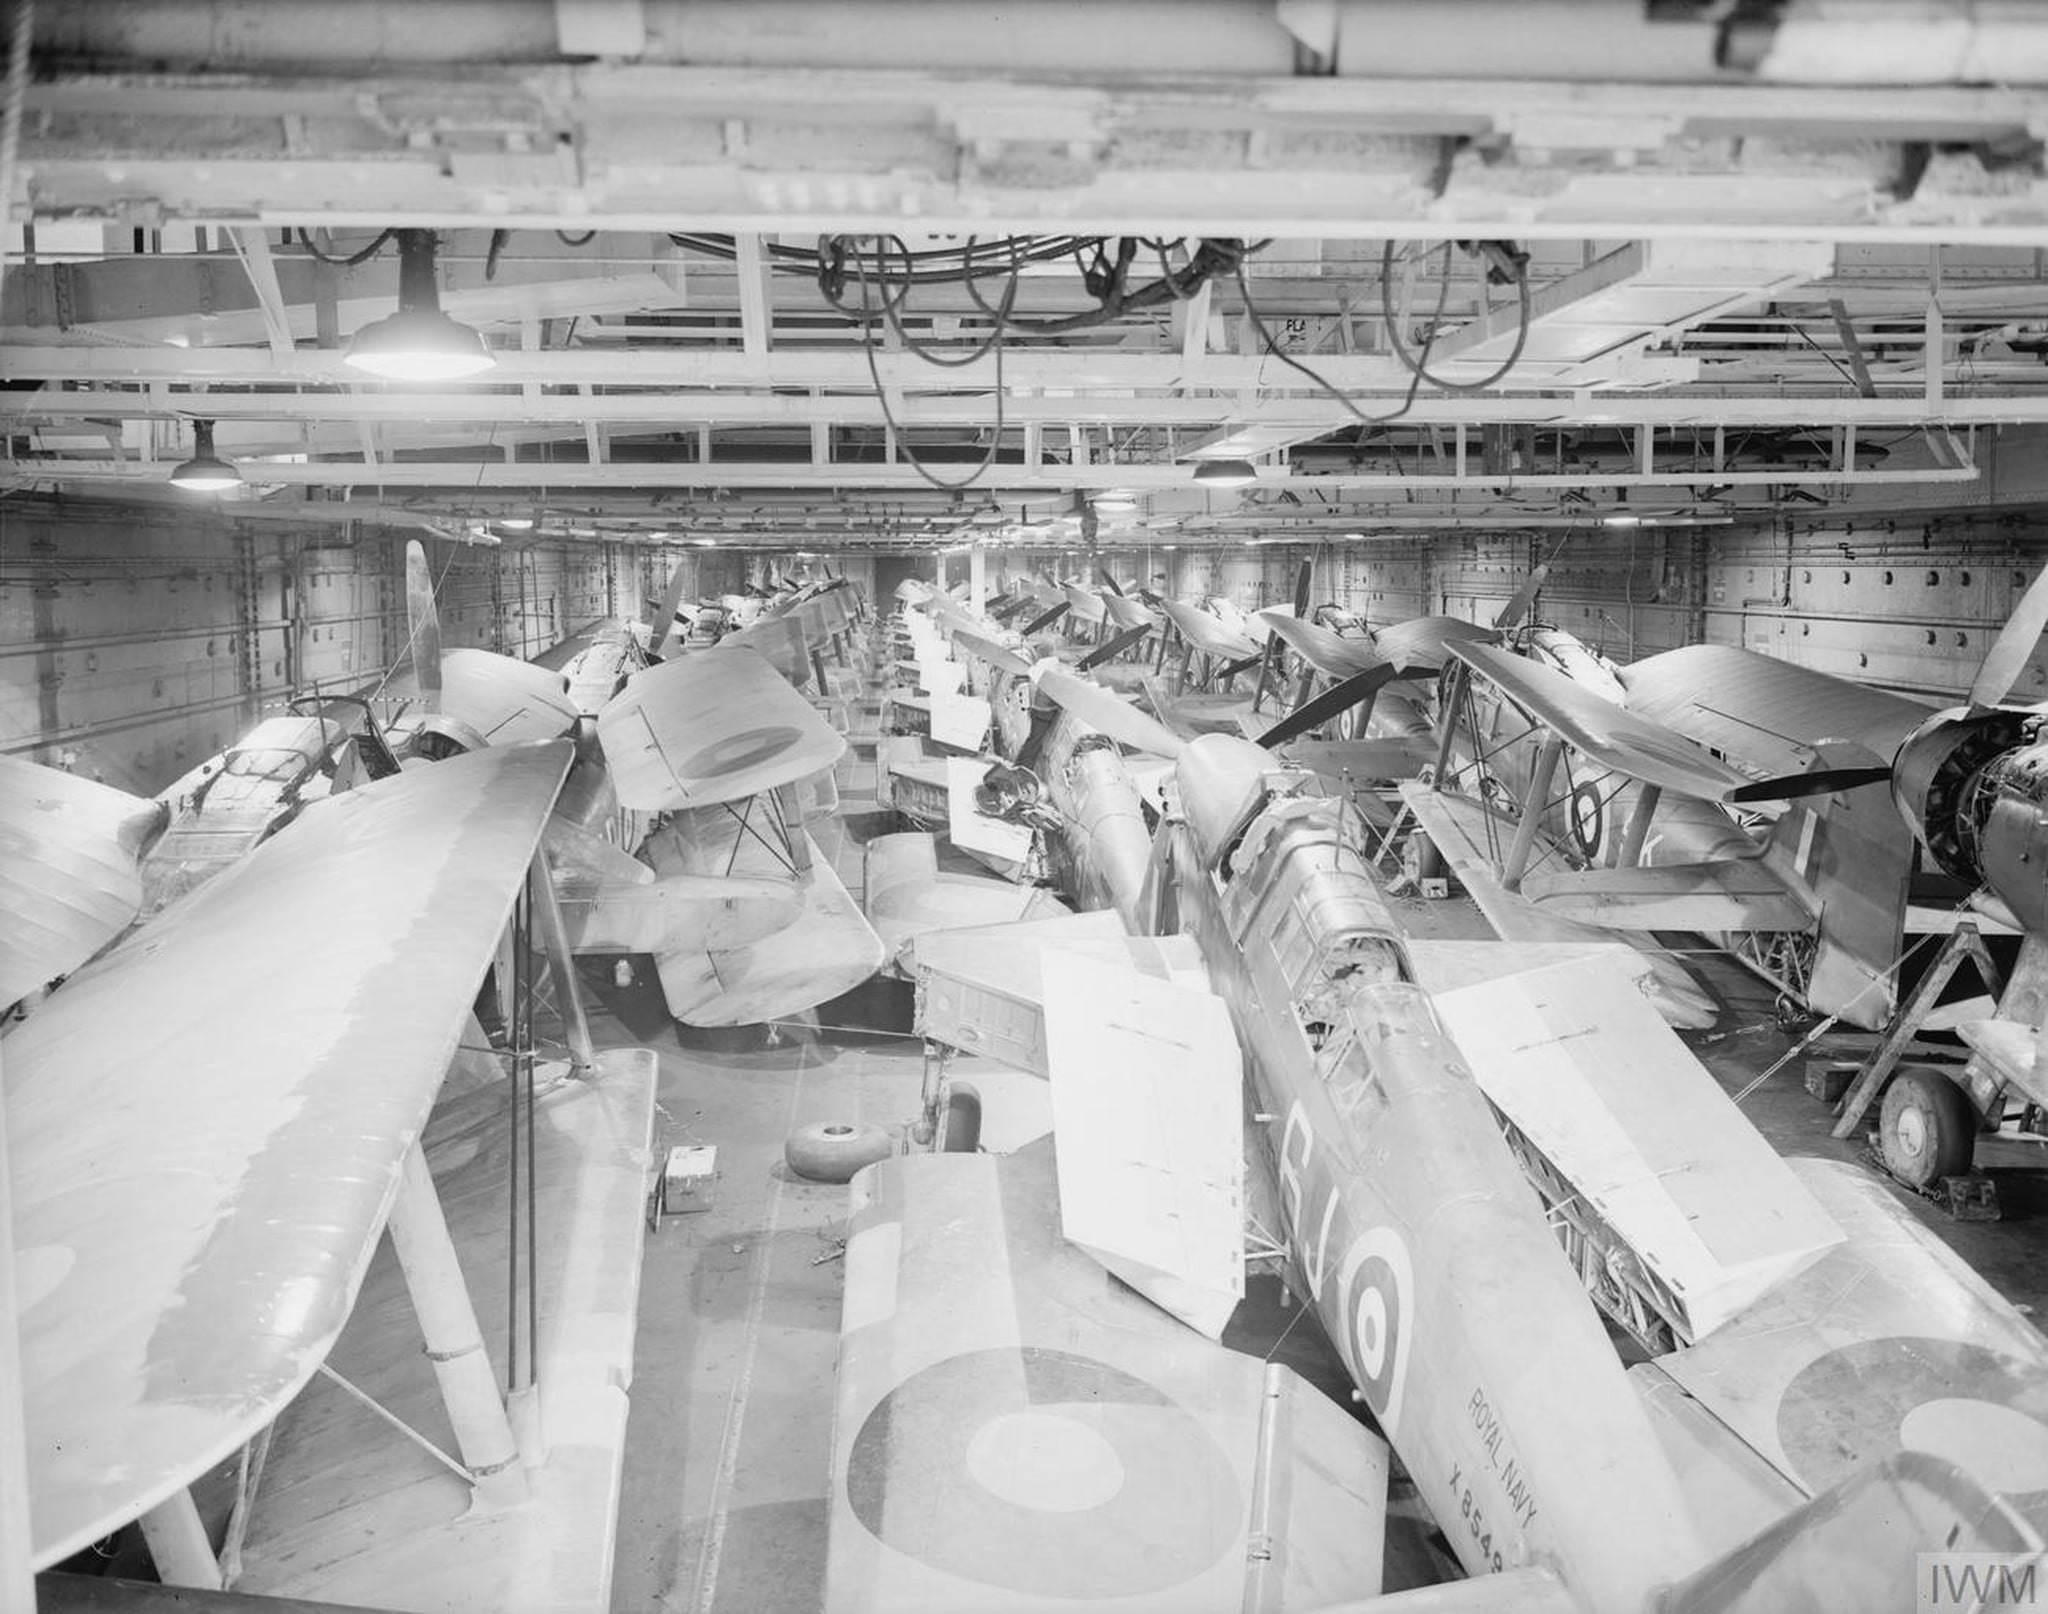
(1926, 1128)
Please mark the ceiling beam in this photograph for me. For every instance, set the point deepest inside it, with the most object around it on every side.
(634, 146)
(466, 474)
(1293, 418)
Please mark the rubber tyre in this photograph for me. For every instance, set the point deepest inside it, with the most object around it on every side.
(960, 1122)
(832, 1151)
(1926, 1128)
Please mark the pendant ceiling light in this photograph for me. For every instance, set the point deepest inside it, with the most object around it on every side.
(204, 472)
(1225, 473)
(419, 342)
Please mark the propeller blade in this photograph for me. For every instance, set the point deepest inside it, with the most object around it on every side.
(1230, 669)
(1512, 613)
(423, 626)
(1039, 624)
(1304, 581)
(1111, 649)
(1821, 782)
(1333, 702)
(1109, 582)
(2015, 642)
(665, 618)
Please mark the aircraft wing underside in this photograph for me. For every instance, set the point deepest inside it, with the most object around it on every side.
(1017, 1431)
(1459, 829)
(1889, 1342)
(207, 1126)
(1727, 895)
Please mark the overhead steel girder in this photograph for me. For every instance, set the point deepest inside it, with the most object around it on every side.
(766, 149)
(660, 368)
(1294, 419)
(554, 474)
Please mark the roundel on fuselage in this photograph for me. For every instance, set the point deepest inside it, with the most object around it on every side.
(1378, 1291)
(1588, 815)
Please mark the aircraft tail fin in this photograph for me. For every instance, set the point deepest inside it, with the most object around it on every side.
(1853, 854)
(1880, 1539)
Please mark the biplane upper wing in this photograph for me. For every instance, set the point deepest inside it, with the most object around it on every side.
(1765, 712)
(1208, 634)
(504, 699)
(69, 875)
(198, 1186)
(783, 641)
(1017, 1431)
(1128, 613)
(1889, 1342)
(1424, 643)
(1331, 654)
(1109, 713)
(1606, 733)
(1085, 604)
(711, 727)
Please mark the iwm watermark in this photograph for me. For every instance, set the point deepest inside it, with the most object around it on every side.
(1967, 1582)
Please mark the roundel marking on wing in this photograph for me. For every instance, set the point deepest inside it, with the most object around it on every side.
(747, 749)
(1981, 1409)
(1379, 1282)
(1044, 1473)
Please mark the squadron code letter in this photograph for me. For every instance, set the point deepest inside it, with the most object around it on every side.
(1964, 1582)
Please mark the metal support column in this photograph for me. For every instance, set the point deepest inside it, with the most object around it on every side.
(455, 1345)
(554, 936)
(1517, 863)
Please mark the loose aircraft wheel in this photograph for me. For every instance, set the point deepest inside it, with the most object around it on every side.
(1925, 1128)
(830, 1151)
(960, 1125)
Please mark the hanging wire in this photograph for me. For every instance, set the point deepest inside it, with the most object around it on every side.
(1420, 366)
(349, 260)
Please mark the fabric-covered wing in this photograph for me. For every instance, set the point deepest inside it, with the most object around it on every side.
(1085, 604)
(826, 950)
(1459, 829)
(906, 896)
(1329, 653)
(1128, 613)
(69, 880)
(1601, 730)
(1207, 634)
(1423, 643)
(1764, 713)
(712, 727)
(1727, 895)
(1016, 1431)
(207, 1126)
(1889, 1342)
(504, 699)
(1108, 713)
(781, 642)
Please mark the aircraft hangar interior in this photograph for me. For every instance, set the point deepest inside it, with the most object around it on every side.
(909, 805)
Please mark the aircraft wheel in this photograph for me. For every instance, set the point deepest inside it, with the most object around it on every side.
(960, 1124)
(1926, 1129)
(831, 1151)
